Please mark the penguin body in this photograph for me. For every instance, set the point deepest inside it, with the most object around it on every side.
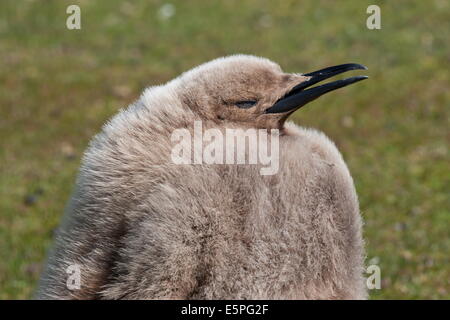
(139, 226)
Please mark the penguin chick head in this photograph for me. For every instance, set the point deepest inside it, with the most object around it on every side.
(253, 92)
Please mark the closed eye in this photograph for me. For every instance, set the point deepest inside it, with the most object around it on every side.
(246, 104)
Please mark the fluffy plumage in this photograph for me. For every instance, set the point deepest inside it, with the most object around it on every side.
(141, 227)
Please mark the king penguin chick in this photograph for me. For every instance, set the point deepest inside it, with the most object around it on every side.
(139, 226)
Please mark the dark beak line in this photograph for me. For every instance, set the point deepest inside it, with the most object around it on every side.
(298, 97)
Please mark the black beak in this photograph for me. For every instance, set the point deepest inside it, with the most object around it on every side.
(298, 97)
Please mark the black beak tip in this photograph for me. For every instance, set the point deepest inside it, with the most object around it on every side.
(353, 66)
(360, 66)
(302, 93)
(359, 78)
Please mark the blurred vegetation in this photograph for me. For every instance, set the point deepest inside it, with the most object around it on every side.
(58, 86)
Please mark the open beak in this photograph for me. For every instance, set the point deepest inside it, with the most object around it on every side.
(300, 95)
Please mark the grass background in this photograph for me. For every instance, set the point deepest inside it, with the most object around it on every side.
(59, 86)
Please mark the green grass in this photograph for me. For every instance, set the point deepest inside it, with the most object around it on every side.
(58, 87)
